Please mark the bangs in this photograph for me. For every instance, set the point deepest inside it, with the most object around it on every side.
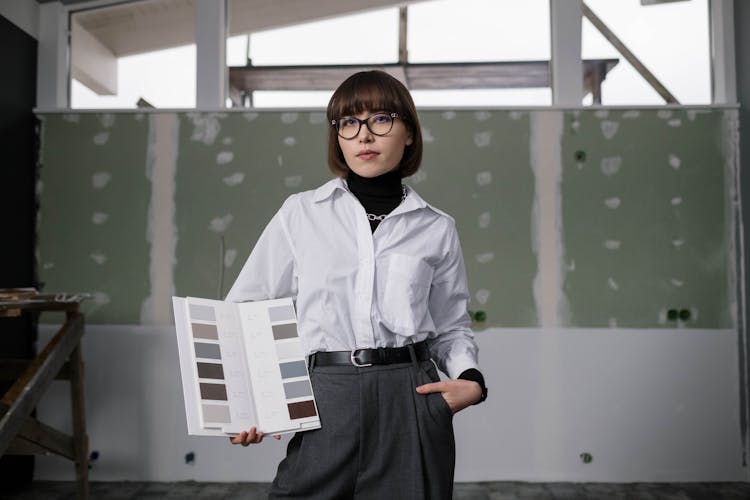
(364, 92)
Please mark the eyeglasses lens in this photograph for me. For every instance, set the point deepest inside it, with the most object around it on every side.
(378, 124)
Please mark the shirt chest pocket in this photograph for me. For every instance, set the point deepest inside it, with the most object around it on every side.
(405, 290)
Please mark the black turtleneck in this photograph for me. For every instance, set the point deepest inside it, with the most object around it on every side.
(379, 195)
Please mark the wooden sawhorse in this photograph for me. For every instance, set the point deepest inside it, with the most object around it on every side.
(21, 434)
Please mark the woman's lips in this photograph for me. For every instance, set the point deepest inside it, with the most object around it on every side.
(367, 155)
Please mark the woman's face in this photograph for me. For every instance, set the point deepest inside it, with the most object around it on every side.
(370, 155)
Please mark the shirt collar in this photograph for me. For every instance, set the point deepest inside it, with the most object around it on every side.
(326, 190)
(412, 202)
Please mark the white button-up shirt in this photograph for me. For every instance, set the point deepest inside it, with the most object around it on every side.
(405, 282)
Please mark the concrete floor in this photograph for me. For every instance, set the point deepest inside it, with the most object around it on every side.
(56, 490)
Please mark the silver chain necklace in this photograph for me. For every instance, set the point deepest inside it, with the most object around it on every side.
(372, 217)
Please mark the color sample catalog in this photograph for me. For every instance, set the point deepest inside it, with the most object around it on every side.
(242, 365)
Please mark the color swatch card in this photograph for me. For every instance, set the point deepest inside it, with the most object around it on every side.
(242, 365)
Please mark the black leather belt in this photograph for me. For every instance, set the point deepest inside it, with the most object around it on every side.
(369, 357)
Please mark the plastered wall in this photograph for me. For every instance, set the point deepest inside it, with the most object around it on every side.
(607, 218)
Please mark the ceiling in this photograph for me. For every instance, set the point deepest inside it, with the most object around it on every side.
(147, 25)
(101, 35)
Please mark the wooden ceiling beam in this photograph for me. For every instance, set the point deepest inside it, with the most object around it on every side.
(429, 76)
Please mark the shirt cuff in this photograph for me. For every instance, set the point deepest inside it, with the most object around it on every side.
(475, 376)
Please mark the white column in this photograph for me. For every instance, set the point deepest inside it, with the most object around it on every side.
(723, 71)
(210, 41)
(566, 65)
(52, 62)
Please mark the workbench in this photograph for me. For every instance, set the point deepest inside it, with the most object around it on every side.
(22, 434)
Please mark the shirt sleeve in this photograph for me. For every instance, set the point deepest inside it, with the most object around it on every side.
(453, 346)
(270, 270)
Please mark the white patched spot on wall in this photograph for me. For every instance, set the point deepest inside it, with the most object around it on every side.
(100, 179)
(484, 220)
(612, 244)
(674, 161)
(289, 118)
(206, 127)
(482, 116)
(609, 128)
(234, 179)
(611, 165)
(613, 202)
(293, 181)
(101, 138)
(483, 139)
(316, 118)
(220, 224)
(484, 178)
(99, 217)
(482, 295)
(98, 257)
(485, 258)
(224, 157)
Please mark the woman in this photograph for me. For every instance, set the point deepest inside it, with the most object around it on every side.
(381, 293)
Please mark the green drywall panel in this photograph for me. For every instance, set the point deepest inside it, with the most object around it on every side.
(476, 167)
(236, 170)
(233, 173)
(94, 197)
(646, 224)
(233, 170)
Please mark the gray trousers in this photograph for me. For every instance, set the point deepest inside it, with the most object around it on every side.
(378, 439)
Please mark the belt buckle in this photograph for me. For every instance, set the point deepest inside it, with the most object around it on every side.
(353, 359)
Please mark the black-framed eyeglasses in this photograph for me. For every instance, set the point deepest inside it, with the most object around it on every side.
(348, 127)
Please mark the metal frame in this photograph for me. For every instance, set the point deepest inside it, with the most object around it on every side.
(566, 67)
(211, 65)
(723, 64)
(620, 46)
(565, 41)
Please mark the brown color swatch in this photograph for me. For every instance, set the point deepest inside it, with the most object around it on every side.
(302, 409)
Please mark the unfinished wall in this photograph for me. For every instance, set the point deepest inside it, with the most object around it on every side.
(581, 231)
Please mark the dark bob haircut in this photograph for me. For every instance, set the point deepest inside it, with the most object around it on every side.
(373, 91)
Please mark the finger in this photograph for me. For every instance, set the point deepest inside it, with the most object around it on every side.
(248, 437)
(252, 436)
(277, 436)
(239, 438)
(432, 387)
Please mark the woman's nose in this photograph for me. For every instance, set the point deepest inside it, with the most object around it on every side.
(364, 134)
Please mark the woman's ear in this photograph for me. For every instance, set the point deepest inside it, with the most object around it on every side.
(409, 140)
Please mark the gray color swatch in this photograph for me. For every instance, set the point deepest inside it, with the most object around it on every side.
(293, 369)
(210, 351)
(297, 389)
(286, 331)
(281, 313)
(202, 313)
(216, 413)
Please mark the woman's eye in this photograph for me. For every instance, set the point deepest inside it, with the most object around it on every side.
(381, 118)
(347, 122)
